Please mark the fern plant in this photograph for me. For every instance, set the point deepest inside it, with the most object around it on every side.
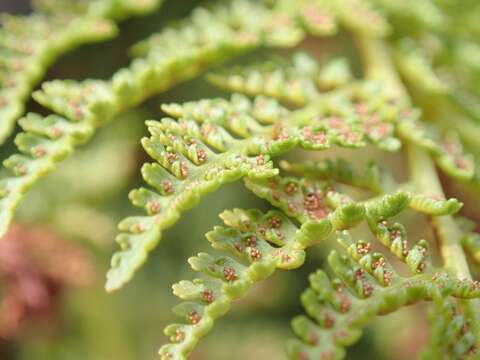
(302, 131)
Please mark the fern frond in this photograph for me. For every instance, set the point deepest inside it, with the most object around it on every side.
(366, 285)
(297, 84)
(310, 202)
(47, 141)
(241, 135)
(278, 192)
(446, 149)
(183, 52)
(188, 168)
(321, 210)
(110, 9)
(257, 244)
(452, 333)
(230, 25)
(30, 44)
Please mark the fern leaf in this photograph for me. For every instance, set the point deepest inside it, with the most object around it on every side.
(243, 20)
(257, 244)
(29, 44)
(187, 168)
(310, 202)
(291, 195)
(92, 103)
(110, 9)
(366, 285)
(297, 84)
(47, 141)
(262, 243)
(236, 131)
(446, 149)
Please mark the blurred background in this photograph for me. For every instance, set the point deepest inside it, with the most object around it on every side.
(53, 261)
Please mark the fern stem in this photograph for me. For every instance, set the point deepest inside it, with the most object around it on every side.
(378, 64)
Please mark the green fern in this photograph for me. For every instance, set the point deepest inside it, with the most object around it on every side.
(320, 207)
(53, 29)
(417, 91)
(92, 103)
(365, 286)
(244, 134)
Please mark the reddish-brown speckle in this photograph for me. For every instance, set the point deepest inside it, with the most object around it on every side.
(229, 274)
(255, 254)
(179, 335)
(167, 186)
(154, 207)
(275, 222)
(207, 296)
(194, 317)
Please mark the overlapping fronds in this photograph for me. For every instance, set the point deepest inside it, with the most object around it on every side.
(304, 83)
(293, 195)
(366, 285)
(236, 139)
(29, 44)
(260, 243)
(176, 54)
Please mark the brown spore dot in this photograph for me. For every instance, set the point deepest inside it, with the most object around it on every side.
(154, 207)
(194, 317)
(275, 222)
(207, 296)
(179, 335)
(229, 274)
(255, 254)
